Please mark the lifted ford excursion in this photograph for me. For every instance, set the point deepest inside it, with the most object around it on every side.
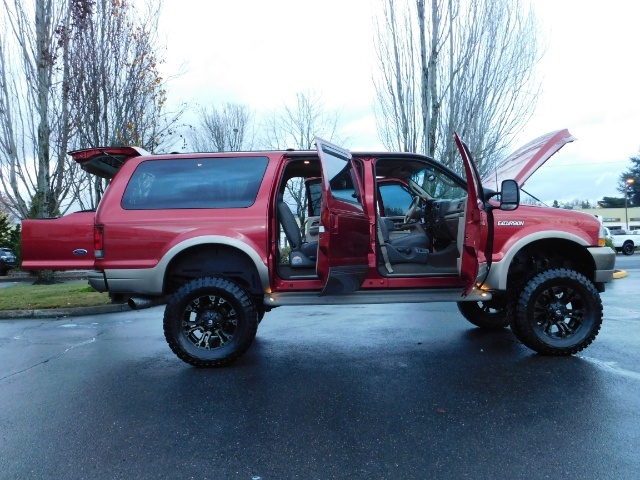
(214, 236)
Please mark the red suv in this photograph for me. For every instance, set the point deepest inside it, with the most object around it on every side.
(225, 237)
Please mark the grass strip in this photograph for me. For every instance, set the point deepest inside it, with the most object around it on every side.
(60, 295)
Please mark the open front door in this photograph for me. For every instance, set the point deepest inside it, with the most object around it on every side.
(343, 243)
(473, 262)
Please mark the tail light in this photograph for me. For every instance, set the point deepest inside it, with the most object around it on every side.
(98, 241)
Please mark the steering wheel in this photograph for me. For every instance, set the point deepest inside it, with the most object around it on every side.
(412, 209)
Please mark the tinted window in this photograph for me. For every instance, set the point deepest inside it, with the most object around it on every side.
(315, 190)
(343, 187)
(195, 183)
(395, 198)
(341, 175)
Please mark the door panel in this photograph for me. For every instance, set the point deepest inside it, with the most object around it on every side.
(344, 226)
(473, 262)
(64, 243)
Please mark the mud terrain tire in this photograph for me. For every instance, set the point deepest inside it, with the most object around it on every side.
(558, 312)
(491, 315)
(210, 322)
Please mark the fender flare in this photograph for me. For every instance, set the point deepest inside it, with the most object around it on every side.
(497, 278)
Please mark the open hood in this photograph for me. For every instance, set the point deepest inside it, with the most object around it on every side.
(105, 162)
(521, 164)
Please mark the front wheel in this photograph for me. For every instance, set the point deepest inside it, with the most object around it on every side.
(210, 322)
(628, 248)
(559, 312)
(491, 315)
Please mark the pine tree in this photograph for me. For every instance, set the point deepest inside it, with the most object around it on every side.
(633, 188)
(5, 230)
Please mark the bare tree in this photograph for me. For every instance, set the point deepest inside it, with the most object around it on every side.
(295, 126)
(117, 95)
(473, 73)
(225, 129)
(398, 89)
(34, 172)
(73, 74)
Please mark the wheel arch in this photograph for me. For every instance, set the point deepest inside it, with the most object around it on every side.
(536, 252)
(215, 257)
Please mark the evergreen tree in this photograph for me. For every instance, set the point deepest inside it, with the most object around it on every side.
(5, 230)
(15, 242)
(611, 202)
(634, 188)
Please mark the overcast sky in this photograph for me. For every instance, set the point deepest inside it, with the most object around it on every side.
(261, 52)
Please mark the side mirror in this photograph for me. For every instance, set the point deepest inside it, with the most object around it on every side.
(509, 195)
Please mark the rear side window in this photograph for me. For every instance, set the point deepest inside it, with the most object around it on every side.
(195, 183)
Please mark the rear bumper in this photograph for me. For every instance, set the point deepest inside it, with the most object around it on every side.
(145, 281)
(97, 280)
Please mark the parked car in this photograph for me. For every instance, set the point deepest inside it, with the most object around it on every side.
(7, 261)
(626, 242)
(206, 232)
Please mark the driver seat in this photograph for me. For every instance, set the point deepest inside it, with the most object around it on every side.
(405, 249)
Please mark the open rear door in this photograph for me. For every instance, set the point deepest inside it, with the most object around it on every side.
(343, 243)
(104, 162)
(473, 261)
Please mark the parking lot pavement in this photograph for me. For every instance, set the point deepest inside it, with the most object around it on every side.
(381, 391)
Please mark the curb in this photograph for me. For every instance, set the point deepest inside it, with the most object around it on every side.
(63, 312)
(63, 275)
(619, 274)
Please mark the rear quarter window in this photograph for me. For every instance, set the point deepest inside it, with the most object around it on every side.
(195, 183)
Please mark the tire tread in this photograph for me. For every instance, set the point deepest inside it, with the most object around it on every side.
(174, 310)
(523, 329)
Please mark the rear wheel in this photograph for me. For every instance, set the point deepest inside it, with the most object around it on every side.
(210, 322)
(491, 315)
(628, 248)
(558, 312)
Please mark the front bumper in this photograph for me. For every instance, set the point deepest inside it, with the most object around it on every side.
(605, 262)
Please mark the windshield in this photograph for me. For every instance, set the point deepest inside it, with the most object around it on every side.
(436, 184)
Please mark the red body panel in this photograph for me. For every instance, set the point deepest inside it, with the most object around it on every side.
(140, 238)
(527, 220)
(343, 243)
(64, 243)
(522, 163)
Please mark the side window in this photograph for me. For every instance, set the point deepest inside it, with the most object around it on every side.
(343, 186)
(315, 193)
(396, 199)
(195, 183)
(341, 176)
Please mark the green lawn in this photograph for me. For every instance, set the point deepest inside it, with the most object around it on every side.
(61, 295)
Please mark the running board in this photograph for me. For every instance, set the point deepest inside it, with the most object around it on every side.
(376, 296)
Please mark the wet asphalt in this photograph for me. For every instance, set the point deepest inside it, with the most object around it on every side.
(371, 392)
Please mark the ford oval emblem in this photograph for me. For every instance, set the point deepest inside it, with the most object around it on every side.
(80, 251)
